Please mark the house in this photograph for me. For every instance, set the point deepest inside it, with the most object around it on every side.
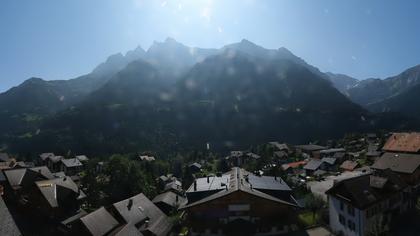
(43, 158)
(169, 201)
(147, 158)
(328, 164)
(309, 150)
(175, 186)
(349, 165)
(97, 223)
(331, 152)
(142, 213)
(21, 178)
(82, 158)
(239, 158)
(407, 166)
(360, 205)
(54, 162)
(281, 147)
(194, 168)
(71, 166)
(239, 201)
(4, 157)
(312, 166)
(403, 142)
(57, 197)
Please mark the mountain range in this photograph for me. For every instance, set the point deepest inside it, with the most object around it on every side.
(177, 97)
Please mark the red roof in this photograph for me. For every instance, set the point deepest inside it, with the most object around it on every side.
(403, 142)
(296, 164)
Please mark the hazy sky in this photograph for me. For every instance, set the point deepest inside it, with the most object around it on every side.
(62, 39)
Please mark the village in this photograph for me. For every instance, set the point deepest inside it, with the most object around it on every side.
(366, 184)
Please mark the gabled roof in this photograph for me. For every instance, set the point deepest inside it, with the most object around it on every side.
(349, 165)
(280, 146)
(403, 142)
(280, 154)
(174, 185)
(55, 159)
(332, 150)
(241, 180)
(236, 153)
(126, 230)
(47, 155)
(139, 208)
(366, 190)
(398, 162)
(58, 190)
(171, 199)
(73, 162)
(313, 164)
(82, 158)
(16, 176)
(195, 164)
(253, 155)
(99, 222)
(147, 158)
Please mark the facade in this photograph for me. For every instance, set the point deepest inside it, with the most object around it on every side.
(240, 203)
(71, 166)
(366, 204)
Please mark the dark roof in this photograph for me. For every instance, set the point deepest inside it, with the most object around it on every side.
(339, 155)
(403, 163)
(210, 183)
(99, 222)
(241, 180)
(236, 153)
(57, 190)
(311, 147)
(16, 176)
(55, 159)
(174, 185)
(74, 218)
(139, 208)
(4, 157)
(170, 198)
(7, 224)
(280, 154)
(313, 164)
(349, 165)
(366, 190)
(73, 162)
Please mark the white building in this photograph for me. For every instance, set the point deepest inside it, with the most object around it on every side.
(365, 204)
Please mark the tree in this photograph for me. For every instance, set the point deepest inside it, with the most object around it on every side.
(314, 203)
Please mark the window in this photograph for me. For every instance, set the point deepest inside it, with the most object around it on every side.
(342, 219)
(352, 225)
(350, 210)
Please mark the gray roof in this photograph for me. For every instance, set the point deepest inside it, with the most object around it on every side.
(58, 190)
(4, 157)
(311, 147)
(99, 222)
(366, 190)
(75, 217)
(7, 224)
(139, 208)
(253, 155)
(238, 182)
(280, 146)
(55, 159)
(174, 185)
(82, 158)
(73, 162)
(170, 198)
(267, 182)
(195, 164)
(126, 230)
(313, 164)
(280, 154)
(332, 150)
(210, 183)
(329, 160)
(236, 153)
(16, 176)
(47, 155)
(403, 163)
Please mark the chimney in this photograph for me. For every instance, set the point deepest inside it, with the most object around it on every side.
(177, 198)
(146, 224)
(195, 185)
(130, 204)
(208, 179)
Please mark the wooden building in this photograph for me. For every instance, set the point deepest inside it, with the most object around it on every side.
(240, 203)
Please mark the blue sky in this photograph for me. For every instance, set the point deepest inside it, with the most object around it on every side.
(64, 39)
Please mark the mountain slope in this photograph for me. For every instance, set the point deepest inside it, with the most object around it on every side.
(342, 82)
(375, 90)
